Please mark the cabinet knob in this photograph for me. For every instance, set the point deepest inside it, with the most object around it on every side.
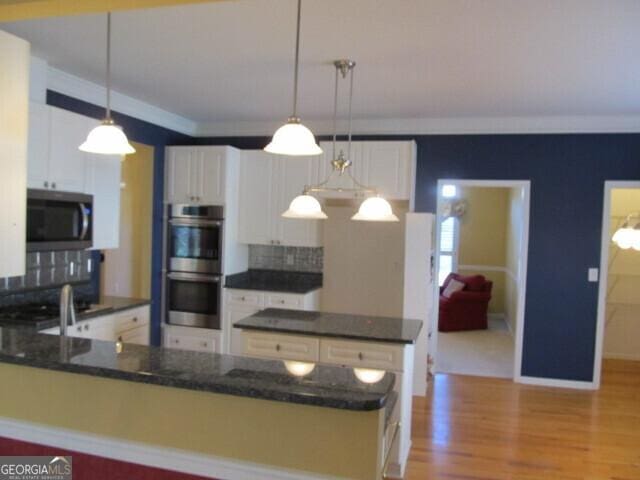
(120, 338)
(46, 184)
(86, 327)
(135, 319)
(79, 328)
(176, 341)
(244, 299)
(53, 185)
(205, 344)
(360, 356)
(281, 302)
(278, 347)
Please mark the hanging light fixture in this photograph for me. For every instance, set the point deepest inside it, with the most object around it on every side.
(107, 138)
(293, 138)
(374, 208)
(628, 235)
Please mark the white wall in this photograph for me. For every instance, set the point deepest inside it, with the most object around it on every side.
(514, 232)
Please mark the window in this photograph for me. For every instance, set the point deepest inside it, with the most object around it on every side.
(449, 231)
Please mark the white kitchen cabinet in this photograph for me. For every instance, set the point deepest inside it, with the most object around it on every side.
(388, 166)
(67, 163)
(190, 338)
(14, 125)
(196, 175)
(239, 304)
(38, 147)
(103, 182)
(268, 183)
(282, 347)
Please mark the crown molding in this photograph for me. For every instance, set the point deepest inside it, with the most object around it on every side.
(442, 126)
(87, 91)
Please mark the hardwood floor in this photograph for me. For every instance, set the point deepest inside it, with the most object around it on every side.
(478, 428)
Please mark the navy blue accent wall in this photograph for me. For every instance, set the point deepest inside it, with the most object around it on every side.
(567, 174)
(148, 134)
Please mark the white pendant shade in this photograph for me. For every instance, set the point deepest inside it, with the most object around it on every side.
(299, 369)
(367, 375)
(107, 139)
(375, 209)
(295, 139)
(305, 207)
(627, 237)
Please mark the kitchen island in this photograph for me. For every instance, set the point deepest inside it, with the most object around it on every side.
(369, 345)
(212, 415)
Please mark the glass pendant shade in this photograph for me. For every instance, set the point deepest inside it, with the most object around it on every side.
(375, 209)
(627, 237)
(305, 207)
(107, 139)
(299, 369)
(293, 138)
(367, 375)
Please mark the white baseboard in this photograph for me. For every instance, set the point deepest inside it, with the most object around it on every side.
(143, 454)
(553, 382)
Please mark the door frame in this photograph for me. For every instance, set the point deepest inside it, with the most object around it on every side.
(603, 273)
(525, 185)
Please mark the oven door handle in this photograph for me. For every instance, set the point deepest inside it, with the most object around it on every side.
(85, 220)
(193, 278)
(195, 223)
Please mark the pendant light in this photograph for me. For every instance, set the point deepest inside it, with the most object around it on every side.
(293, 138)
(628, 235)
(107, 138)
(374, 208)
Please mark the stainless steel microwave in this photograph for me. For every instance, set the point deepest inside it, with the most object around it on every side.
(59, 220)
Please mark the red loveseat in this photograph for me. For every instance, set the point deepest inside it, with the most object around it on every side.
(465, 309)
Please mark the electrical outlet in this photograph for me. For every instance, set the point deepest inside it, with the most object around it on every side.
(593, 274)
(289, 259)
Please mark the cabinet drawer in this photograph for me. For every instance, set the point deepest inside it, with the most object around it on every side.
(284, 300)
(138, 335)
(194, 343)
(134, 318)
(361, 354)
(286, 347)
(248, 298)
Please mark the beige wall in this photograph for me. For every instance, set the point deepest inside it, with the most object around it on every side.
(622, 331)
(363, 263)
(127, 270)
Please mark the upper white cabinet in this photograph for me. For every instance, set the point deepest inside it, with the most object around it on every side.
(103, 182)
(268, 183)
(14, 124)
(38, 147)
(196, 175)
(388, 166)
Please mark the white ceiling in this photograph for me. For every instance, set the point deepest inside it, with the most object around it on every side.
(231, 62)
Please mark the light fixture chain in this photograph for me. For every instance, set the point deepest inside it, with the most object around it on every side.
(350, 113)
(296, 63)
(335, 115)
(108, 69)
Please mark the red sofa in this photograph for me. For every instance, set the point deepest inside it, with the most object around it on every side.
(465, 309)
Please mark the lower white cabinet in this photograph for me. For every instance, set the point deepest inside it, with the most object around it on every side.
(190, 338)
(127, 326)
(390, 357)
(239, 304)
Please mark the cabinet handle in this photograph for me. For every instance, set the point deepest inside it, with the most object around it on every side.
(360, 356)
(278, 347)
(46, 184)
(53, 185)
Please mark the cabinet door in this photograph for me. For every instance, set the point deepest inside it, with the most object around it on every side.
(66, 162)
(179, 172)
(235, 314)
(103, 182)
(209, 181)
(292, 176)
(256, 197)
(38, 146)
(388, 166)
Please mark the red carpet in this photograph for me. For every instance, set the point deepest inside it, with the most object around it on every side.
(90, 467)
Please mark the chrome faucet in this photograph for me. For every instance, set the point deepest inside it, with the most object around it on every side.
(67, 309)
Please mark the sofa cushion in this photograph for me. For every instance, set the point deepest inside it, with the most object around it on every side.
(473, 283)
(452, 287)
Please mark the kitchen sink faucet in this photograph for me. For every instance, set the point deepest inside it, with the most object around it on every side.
(67, 309)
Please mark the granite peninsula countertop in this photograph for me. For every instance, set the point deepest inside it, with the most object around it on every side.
(275, 281)
(325, 386)
(321, 324)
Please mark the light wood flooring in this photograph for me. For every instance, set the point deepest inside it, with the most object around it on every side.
(477, 428)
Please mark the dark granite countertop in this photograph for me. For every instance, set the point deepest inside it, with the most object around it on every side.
(325, 386)
(337, 325)
(275, 281)
(106, 306)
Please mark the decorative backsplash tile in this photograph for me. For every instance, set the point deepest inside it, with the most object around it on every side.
(294, 259)
(49, 270)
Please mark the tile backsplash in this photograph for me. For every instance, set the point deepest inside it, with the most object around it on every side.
(50, 269)
(294, 259)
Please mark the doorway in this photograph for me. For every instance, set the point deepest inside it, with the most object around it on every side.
(482, 237)
(126, 271)
(618, 331)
